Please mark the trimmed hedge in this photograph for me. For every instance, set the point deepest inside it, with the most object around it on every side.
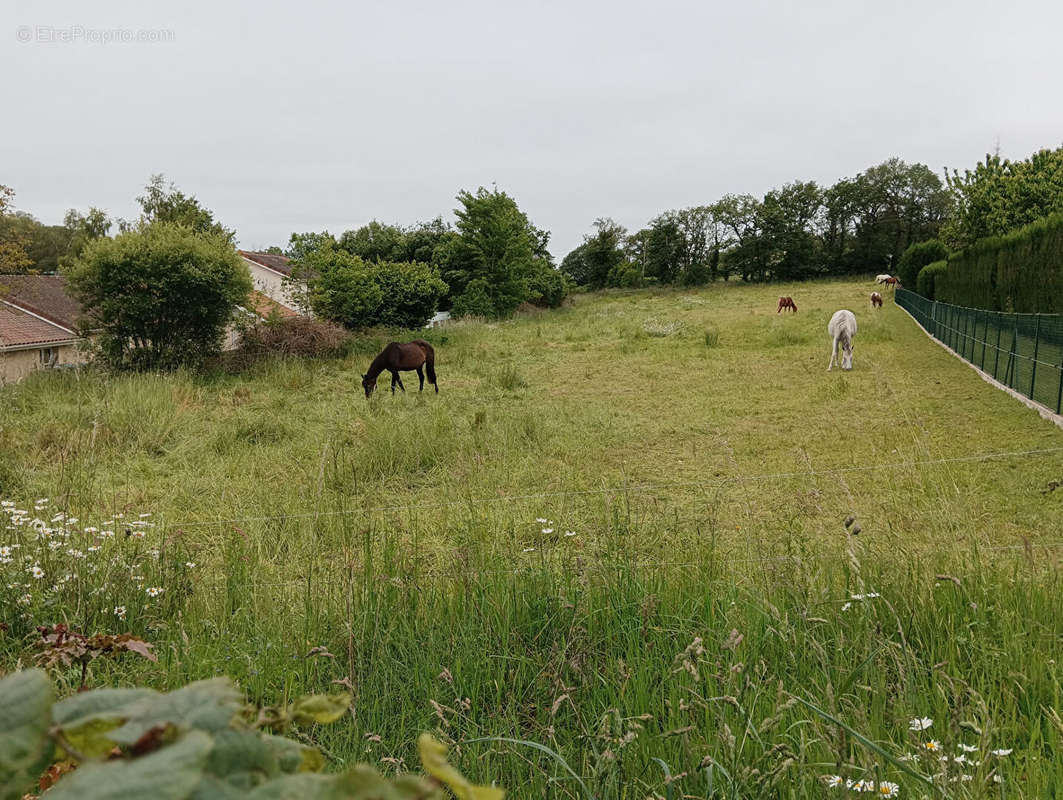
(926, 281)
(918, 256)
(1021, 271)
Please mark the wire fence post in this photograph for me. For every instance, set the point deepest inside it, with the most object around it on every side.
(1059, 393)
(1036, 347)
(996, 354)
(1009, 370)
(985, 338)
(966, 339)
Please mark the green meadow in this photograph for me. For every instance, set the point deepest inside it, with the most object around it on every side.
(609, 559)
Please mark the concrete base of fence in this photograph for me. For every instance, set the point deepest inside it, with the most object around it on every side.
(1045, 412)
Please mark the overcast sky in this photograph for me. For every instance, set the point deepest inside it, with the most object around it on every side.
(285, 116)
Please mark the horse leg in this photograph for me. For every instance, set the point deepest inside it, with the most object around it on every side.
(833, 355)
(420, 376)
(394, 377)
(400, 382)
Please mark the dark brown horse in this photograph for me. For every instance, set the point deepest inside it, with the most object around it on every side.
(396, 358)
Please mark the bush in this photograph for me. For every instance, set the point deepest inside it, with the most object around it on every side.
(411, 292)
(625, 275)
(198, 741)
(547, 287)
(160, 296)
(475, 301)
(926, 281)
(918, 256)
(300, 337)
(345, 289)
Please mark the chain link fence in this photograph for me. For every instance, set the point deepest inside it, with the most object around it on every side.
(1022, 351)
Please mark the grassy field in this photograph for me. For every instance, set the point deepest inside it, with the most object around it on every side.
(617, 531)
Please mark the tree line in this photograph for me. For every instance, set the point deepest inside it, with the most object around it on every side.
(801, 230)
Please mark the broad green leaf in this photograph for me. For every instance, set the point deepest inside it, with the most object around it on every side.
(434, 758)
(323, 708)
(208, 705)
(294, 757)
(81, 707)
(171, 773)
(91, 738)
(25, 746)
(242, 759)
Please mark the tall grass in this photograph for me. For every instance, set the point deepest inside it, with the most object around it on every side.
(660, 631)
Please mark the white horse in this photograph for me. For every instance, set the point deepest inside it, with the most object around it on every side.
(882, 278)
(842, 328)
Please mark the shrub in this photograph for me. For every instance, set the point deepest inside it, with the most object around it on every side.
(345, 289)
(340, 287)
(547, 287)
(301, 337)
(475, 301)
(411, 292)
(625, 275)
(198, 741)
(159, 296)
(918, 256)
(928, 276)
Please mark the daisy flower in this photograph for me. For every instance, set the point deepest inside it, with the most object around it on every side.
(548, 530)
(36, 571)
(920, 724)
(933, 745)
(119, 611)
(154, 591)
(1005, 751)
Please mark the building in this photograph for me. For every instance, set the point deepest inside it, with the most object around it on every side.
(271, 275)
(38, 324)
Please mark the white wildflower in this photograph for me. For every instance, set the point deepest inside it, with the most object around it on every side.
(1004, 751)
(119, 611)
(570, 533)
(967, 748)
(36, 571)
(154, 591)
(920, 724)
(528, 550)
(548, 530)
(26, 599)
(190, 564)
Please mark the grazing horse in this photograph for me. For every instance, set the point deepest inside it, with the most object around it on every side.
(397, 358)
(876, 300)
(882, 278)
(787, 302)
(842, 328)
(893, 282)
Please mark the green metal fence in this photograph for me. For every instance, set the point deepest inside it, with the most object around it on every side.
(1022, 351)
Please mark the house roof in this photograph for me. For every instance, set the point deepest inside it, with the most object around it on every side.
(265, 306)
(281, 264)
(21, 330)
(43, 295)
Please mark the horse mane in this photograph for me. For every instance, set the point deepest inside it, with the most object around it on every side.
(379, 364)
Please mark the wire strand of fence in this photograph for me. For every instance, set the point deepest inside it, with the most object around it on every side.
(601, 565)
(620, 489)
(988, 345)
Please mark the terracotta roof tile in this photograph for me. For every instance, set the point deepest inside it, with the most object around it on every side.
(266, 306)
(281, 264)
(44, 295)
(19, 329)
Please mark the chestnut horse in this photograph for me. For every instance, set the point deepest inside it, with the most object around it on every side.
(397, 358)
(892, 282)
(786, 302)
(876, 300)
